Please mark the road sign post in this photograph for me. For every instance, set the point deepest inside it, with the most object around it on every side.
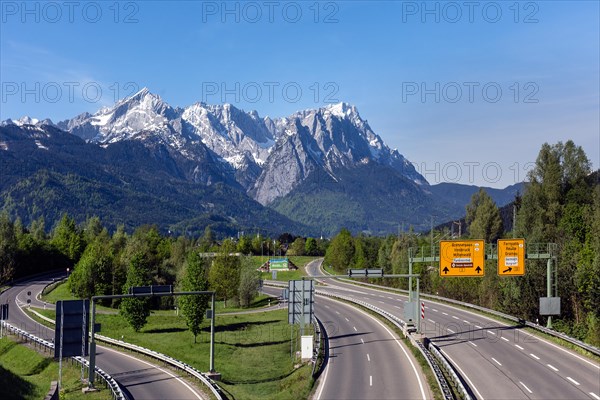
(511, 257)
(462, 258)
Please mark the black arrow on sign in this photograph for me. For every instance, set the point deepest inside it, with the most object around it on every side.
(478, 269)
(445, 270)
(507, 270)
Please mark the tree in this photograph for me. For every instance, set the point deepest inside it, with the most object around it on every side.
(93, 272)
(8, 248)
(67, 239)
(244, 245)
(340, 252)
(310, 247)
(136, 310)
(483, 217)
(194, 278)
(224, 274)
(249, 282)
(297, 247)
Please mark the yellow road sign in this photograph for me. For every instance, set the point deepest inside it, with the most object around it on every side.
(462, 258)
(511, 257)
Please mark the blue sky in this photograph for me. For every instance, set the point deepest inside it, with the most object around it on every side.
(466, 91)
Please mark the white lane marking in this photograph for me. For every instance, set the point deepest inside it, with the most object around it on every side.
(473, 344)
(382, 302)
(326, 306)
(477, 326)
(367, 298)
(518, 347)
(426, 307)
(368, 357)
(594, 395)
(455, 317)
(383, 297)
(445, 313)
(450, 330)
(534, 356)
(391, 298)
(355, 330)
(496, 361)
(322, 385)
(553, 368)
(337, 312)
(529, 390)
(430, 320)
(434, 310)
(493, 333)
(399, 308)
(412, 364)
(573, 380)
(527, 335)
(505, 339)
(158, 368)
(466, 322)
(347, 320)
(479, 396)
(362, 340)
(370, 380)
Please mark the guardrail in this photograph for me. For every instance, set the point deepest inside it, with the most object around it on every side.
(588, 347)
(320, 345)
(214, 388)
(109, 381)
(400, 324)
(461, 387)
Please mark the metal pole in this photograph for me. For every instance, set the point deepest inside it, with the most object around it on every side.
(418, 308)
(212, 334)
(92, 371)
(60, 350)
(549, 287)
(83, 339)
(410, 274)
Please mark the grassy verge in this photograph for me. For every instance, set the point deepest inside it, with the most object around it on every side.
(252, 351)
(26, 374)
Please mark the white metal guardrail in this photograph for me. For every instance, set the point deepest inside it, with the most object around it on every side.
(214, 388)
(117, 392)
(400, 324)
(588, 347)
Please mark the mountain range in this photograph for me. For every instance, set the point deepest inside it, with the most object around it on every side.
(143, 161)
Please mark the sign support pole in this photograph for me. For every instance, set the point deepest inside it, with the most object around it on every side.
(212, 335)
(549, 288)
(92, 371)
(418, 304)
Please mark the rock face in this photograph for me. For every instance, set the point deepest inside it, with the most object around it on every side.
(329, 157)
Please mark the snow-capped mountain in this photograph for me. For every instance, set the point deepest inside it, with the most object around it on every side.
(267, 157)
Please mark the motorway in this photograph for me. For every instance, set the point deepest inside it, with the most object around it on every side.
(498, 361)
(140, 379)
(366, 359)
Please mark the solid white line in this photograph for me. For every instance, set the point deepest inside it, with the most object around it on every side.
(534, 356)
(518, 347)
(473, 344)
(505, 339)
(479, 396)
(554, 369)
(573, 380)
(322, 386)
(355, 330)
(370, 380)
(368, 357)
(529, 390)
(594, 395)
(496, 361)
(158, 368)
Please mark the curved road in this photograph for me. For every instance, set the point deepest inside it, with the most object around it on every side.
(499, 361)
(141, 379)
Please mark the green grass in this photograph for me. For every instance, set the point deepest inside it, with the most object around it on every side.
(252, 351)
(26, 374)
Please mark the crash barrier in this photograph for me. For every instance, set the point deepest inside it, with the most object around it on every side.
(117, 392)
